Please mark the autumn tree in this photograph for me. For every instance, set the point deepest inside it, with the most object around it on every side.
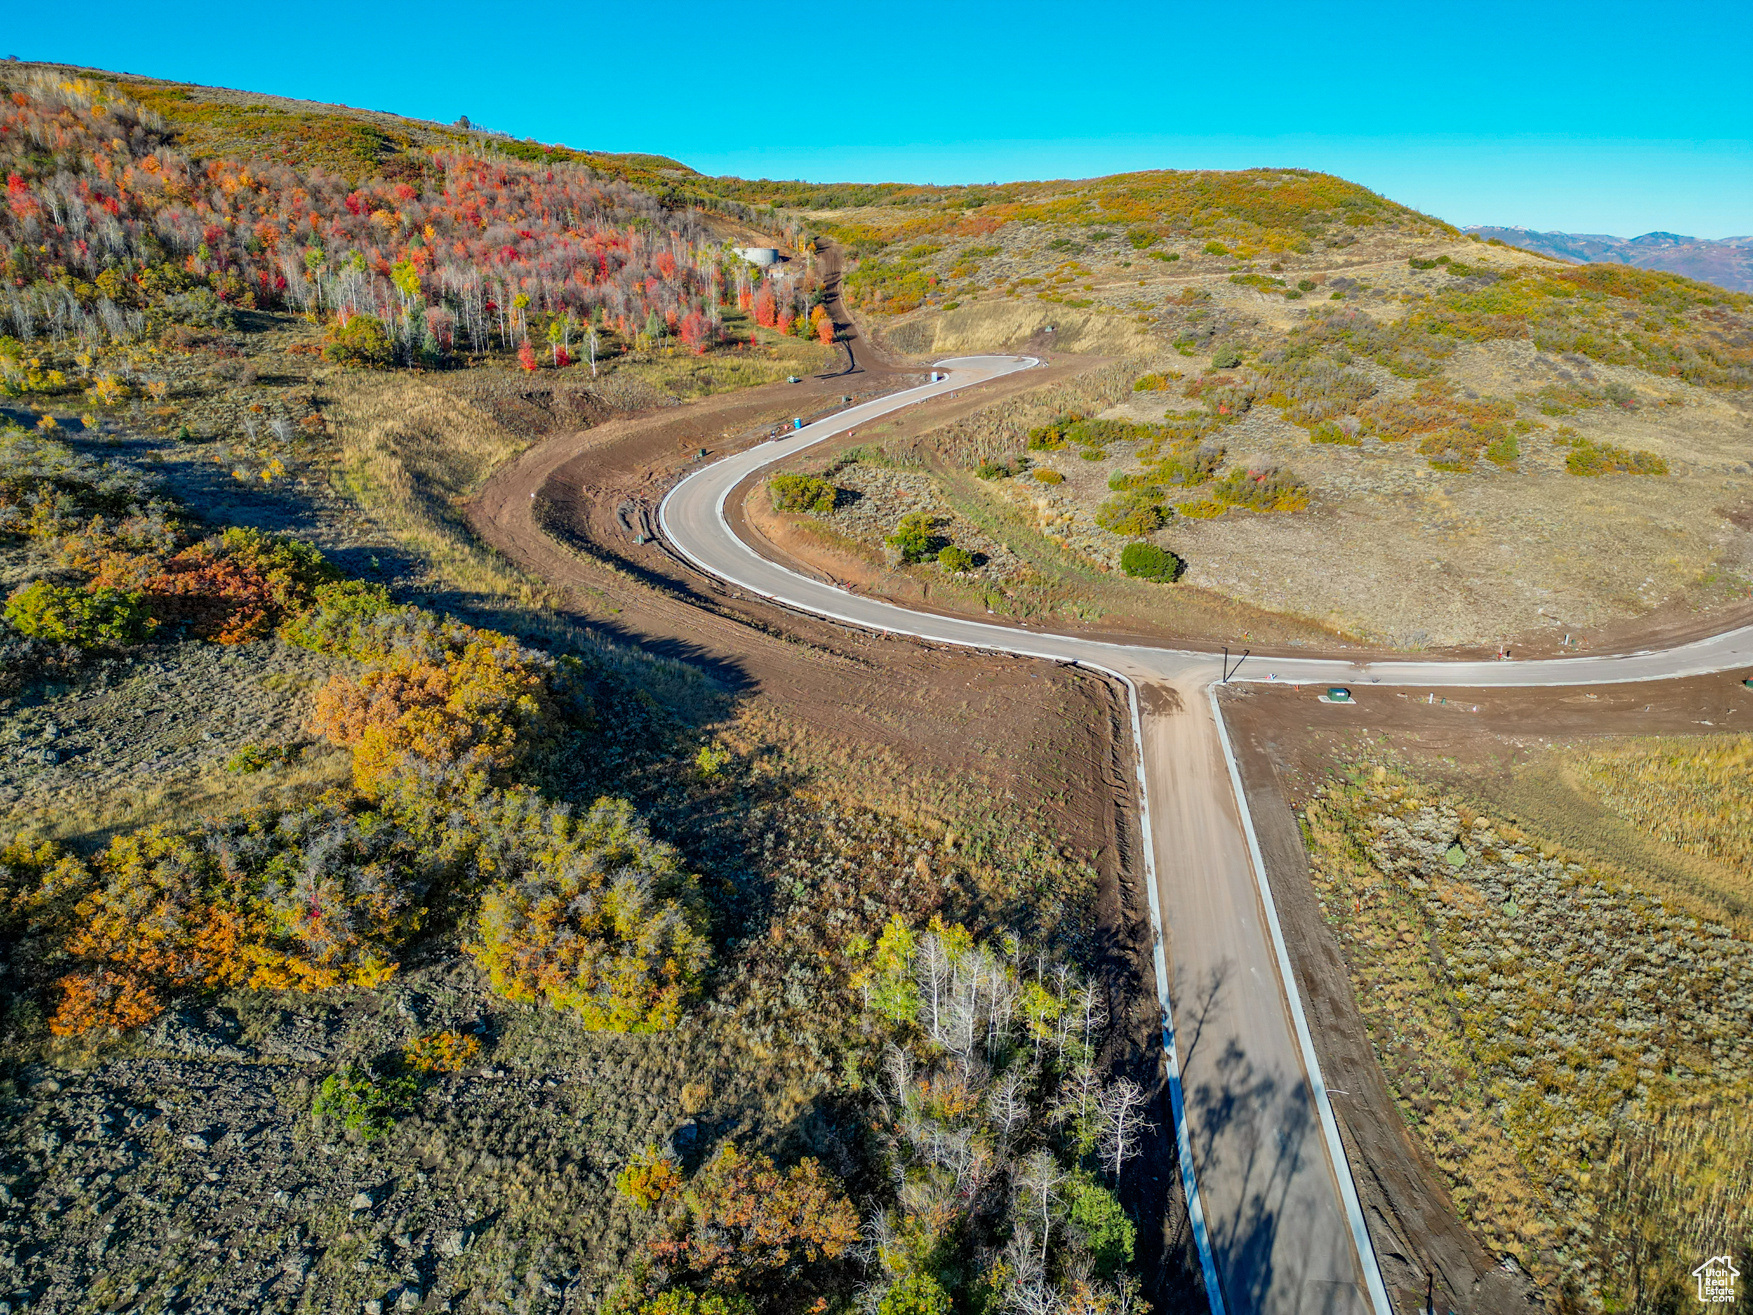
(748, 1222)
(598, 919)
(992, 1114)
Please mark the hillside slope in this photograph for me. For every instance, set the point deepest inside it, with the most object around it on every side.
(1334, 408)
(1726, 262)
(372, 912)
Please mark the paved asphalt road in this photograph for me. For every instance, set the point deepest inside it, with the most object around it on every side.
(1275, 1211)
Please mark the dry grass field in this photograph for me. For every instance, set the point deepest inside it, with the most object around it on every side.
(1569, 1048)
(1490, 451)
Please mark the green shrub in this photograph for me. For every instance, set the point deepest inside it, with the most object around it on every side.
(1306, 285)
(361, 341)
(683, 1301)
(1051, 436)
(197, 306)
(1216, 249)
(1099, 1216)
(1164, 256)
(64, 615)
(711, 761)
(915, 537)
(990, 469)
(1503, 450)
(362, 1102)
(802, 493)
(1588, 457)
(955, 560)
(1226, 358)
(1140, 238)
(1046, 475)
(1202, 509)
(1134, 512)
(1328, 432)
(253, 758)
(1265, 282)
(1273, 489)
(1146, 561)
(915, 1293)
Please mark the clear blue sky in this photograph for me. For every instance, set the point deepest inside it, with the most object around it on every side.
(1604, 117)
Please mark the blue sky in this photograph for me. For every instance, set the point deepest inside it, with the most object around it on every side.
(1601, 117)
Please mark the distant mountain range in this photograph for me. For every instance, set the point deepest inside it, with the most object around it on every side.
(1726, 262)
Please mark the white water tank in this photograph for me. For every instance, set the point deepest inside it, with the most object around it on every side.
(761, 257)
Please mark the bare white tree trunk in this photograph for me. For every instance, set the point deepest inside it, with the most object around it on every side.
(1121, 1112)
(1041, 1177)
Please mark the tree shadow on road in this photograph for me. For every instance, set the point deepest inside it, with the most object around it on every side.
(1250, 1132)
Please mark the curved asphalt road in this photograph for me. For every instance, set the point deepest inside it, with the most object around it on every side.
(1274, 1210)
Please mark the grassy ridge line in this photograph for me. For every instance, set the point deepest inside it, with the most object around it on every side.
(348, 139)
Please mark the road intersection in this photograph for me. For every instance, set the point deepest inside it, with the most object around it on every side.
(1273, 1207)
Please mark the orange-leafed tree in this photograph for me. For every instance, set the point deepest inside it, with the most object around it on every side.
(103, 998)
(749, 1221)
(299, 901)
(469, 716)
(162, 918)
(235, 587)
(822, 325)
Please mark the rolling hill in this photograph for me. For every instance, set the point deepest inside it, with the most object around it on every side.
(1726, 262)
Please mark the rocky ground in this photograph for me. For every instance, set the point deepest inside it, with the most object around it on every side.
(127, 735)
(186, 1171)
